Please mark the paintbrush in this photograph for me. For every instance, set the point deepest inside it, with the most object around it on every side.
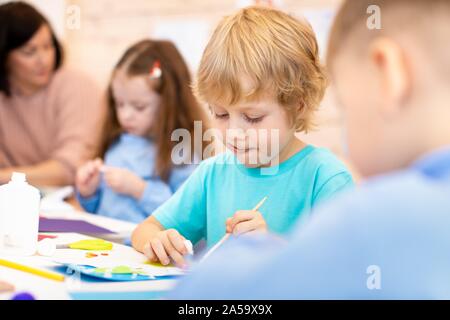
(227, 235)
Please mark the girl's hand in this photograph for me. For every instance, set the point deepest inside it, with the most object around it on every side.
(124, 181)
(165, 246)
(88, 177)
(245, 221)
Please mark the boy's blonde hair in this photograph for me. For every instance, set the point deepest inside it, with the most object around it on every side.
(277, 53)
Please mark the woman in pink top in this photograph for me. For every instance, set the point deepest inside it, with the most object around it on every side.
(49, 116)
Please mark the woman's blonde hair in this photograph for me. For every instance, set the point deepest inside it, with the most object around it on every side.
(275, 51)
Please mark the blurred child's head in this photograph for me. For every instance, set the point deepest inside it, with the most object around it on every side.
(393, 81)
(136, 101)
(150, 96)
(260, 71)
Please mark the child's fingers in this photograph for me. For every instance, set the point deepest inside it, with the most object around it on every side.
(177, 241)
(98, 163)
(81, 175)
(148, 252)
(93, 171)
(84, 174)
(228, 225)
(91, 166)
(240, 216)
(159, 250)
(86, 178)
(244, 227)
(90, 170)
(172, 252)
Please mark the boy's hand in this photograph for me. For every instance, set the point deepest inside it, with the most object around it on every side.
(88, 177)
(245, 221)
(165, 246)
(124, 181)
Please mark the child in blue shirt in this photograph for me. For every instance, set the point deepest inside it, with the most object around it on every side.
(260, 94)
(389, 238)
(149, 97)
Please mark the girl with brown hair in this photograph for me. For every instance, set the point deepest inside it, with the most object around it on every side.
(149, 98)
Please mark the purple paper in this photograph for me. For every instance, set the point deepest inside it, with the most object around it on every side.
(66, 225)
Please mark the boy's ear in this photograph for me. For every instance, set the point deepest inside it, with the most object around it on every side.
(393, 72)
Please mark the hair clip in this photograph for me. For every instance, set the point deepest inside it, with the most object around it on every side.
(155, 71)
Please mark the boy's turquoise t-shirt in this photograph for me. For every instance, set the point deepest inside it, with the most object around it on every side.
(221, 185)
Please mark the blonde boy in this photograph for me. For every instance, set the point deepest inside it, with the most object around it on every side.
(390, 238)
(261, 78)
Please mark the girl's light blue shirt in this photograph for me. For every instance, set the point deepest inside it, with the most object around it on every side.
(136, 154)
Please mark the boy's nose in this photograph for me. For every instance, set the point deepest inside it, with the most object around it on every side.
(235, 134)
(235, 125)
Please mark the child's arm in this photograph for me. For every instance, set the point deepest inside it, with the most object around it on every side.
(159, 244)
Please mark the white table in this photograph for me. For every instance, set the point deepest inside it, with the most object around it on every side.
(43, 288)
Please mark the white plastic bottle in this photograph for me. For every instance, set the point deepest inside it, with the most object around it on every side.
(19, 216)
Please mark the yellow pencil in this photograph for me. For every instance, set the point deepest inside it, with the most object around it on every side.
(227, 235)
(38, 272)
